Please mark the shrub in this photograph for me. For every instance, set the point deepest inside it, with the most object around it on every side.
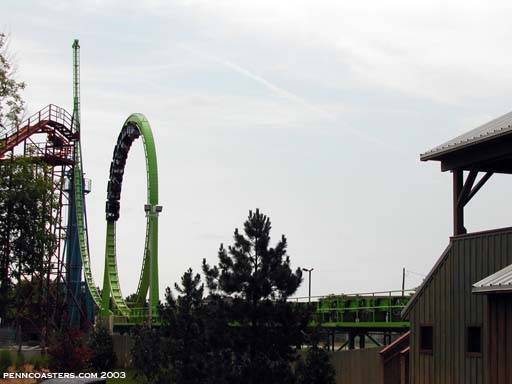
(68, 351)
(39, 361)
(316, 368)
(5, 360)
(20, 360)
(101, 345)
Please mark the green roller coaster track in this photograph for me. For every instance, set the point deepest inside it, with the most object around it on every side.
(111, 301)
(137, 124)
(377, 311)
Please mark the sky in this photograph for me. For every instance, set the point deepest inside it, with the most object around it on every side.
(313, 112)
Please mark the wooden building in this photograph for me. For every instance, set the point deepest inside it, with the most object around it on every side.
(498, 288)
(461, 333)
(394, 361)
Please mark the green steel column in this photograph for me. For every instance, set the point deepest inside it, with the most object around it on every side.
(152, 213)
(154, 263)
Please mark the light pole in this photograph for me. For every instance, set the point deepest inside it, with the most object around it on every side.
(309, 271)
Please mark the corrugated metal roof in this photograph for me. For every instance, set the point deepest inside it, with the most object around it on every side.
(499, 281)
(495, 128)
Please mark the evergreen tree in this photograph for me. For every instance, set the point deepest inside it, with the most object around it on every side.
(149, 356)
(244, 331)
(185, 330)
(255, 280)
(191, 339)
(316, 368)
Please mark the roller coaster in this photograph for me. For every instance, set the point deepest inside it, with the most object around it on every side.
(61, 150)
(53, 136)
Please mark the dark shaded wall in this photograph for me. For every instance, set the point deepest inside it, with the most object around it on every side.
(500, 339)
(392, 371)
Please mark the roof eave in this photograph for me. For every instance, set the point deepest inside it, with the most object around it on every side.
(493, 289)
(437, 155)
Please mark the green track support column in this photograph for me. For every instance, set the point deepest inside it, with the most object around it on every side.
(152, 212)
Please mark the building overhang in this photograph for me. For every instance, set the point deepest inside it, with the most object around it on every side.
(498, 282)
(487, 148)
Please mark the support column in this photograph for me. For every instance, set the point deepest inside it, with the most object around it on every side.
(362, 340)
(152, 212)
(351, 341)
(458, 206)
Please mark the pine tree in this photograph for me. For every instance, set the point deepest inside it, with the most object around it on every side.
(149, 355)
(316, 368)
(185, 328)
(256, 279)
(189, 351)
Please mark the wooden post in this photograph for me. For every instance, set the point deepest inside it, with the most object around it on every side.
(458, 206)
(362, 340)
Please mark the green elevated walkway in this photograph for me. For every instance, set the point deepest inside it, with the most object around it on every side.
(375, 311)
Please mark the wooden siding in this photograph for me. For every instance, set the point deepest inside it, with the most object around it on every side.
(358, 366)
(395, 361)
(500, 339)
(447, 302)
(392, 370)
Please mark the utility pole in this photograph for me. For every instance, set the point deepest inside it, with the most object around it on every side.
(309, 271)
(403, 281)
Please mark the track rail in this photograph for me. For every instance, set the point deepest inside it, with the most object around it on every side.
(135, 126)
(81, 226)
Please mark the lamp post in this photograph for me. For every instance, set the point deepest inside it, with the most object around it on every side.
(309, 271)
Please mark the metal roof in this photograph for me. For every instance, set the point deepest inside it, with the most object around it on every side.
(494, 128)
(497, 282)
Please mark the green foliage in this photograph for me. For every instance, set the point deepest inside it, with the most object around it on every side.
(68, 351)
(191, 345)
(252, 270)
(133, 301)
(316, 368)
(20, 360)
(100, 343)
(11, 102)
(149, 357)
(244, 331)
(39, 361)
(256, 279)
(26, 202)
(5, 360)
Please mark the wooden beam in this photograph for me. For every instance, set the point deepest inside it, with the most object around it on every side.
(477, 187)
(373, 340)
(471, 156)
(470, 180)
